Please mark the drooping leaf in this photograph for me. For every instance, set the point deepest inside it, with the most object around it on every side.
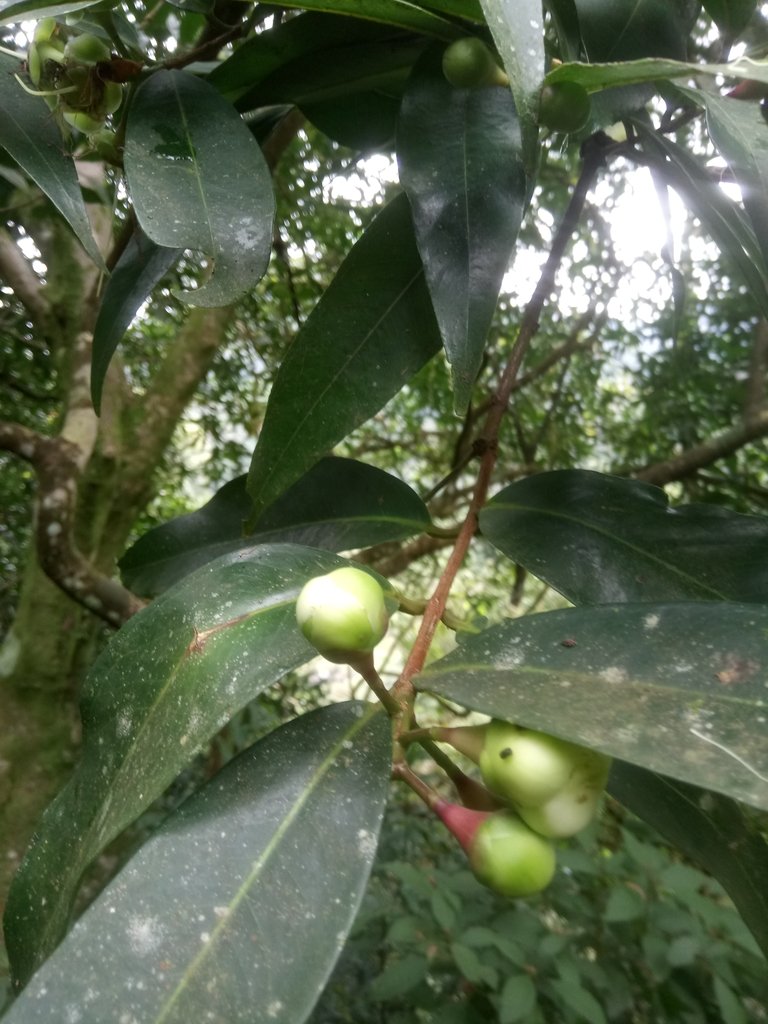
(402, 13)
(32, 138)
(140, 267)
(246, 880)
(630, 29)
(721, 216)
(460, 159)
(600, 539)
(338, 505)
(518, 31)
(710, 829)
(198, 180)
(740, 132)
(31, 10)
(677, 688)
(164, 685)
(373, 329)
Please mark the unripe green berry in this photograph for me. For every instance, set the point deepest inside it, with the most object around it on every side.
(469, 64)
(44, 29)
(524, 766)
(111, 98)
(86, 49)
(564, 106)
(84, 122)
(507, 856)
(344, 614)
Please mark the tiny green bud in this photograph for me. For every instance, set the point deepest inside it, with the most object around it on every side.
(564, 106)
(344, 614)
(524, 766)
(86, 49)
(469, 64)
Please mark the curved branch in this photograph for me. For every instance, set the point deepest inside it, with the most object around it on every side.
(56, 464)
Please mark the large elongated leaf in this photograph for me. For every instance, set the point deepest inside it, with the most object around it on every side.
(256, 878)
(30, 10)
(164, 685)
(627, 29)
(338, 505)
(678, 688)
(198, 180)
(460, 158)
(722, 217)
(710, 829)
(135, 274)
(31, 136)
(652, 69)
(518, 31)
(369, 334)
(402, 13)
(600, 539)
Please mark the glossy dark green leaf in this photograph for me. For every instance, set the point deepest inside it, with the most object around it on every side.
(730, 16)
(740, 132)
(338, 505)
(30, 135)
(710, 829)
(518, 31)
(402, 13)
(246, 881)
(198, 180)
(605, 76)
(164, 685)
(141, 265)
(31, 10)
(629, 29)
(364, 121)
(721, 216)
(677, 688)
(600, 539)
(460, 159)
(373, 329)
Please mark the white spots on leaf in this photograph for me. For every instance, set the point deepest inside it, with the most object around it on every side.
(366, 843)
(145, 934)
(651, 621)
(613, 674)
(205, 938)
(274, 1008)
(123, 724)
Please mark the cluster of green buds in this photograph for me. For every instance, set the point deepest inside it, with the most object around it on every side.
(68, 70)
(548, 788)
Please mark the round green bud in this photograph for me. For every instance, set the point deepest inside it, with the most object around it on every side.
(343, 614)
(84, 122)
(111, 98)
(86, 49)
(564, 106)
(44, 29)
(572, 809)
(469, 64)
(104, 143)
(508, 857)
(526, 767)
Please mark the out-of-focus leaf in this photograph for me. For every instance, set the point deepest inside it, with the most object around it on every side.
(628, 29)
(245, 881)
(460, 158)
(164, 685)
(730, 16)
(31, 10)
(338, 505)
(710, 829)
(518, 31)
(600, 539)
(402, 13)
(364, 121)
(198, 180)
(135, 274)
(740, 132)
(677, 688)
(579, 1000)
(372, 330)
(31, 136)
(722, 217)
(606, 76)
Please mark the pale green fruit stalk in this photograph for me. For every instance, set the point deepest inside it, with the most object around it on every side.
(343, 615)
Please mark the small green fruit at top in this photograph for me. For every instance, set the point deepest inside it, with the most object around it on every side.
(524, 766)
(86, 49)
(564, 106)
(469, 64)
(344, 614)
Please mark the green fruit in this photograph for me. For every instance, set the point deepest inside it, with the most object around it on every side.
(86, 49)
(508, 857)
(572, 809)
(344, 614)
(111, 98)
(469, 64)
(564, 106)
(44, 29)
(104, 143)
(526, 767)
(84, 122)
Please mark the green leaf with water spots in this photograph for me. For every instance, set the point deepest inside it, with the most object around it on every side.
(245, 881)
(677, 688)
(165, 684)
(198, 180)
